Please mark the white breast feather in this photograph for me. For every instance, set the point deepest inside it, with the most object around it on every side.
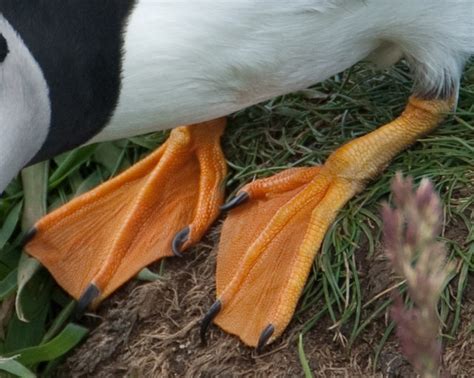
(25, 110)
(187, 62)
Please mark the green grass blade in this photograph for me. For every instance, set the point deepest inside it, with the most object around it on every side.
(69, 164)
(22, 335)
(462, 284)
(382, 342)
(10, 365)
(35, 187)
(147, 275)
(57, 347)
(9, 226)
(303, 360)
(27, 268)
(59, 322)
(8, 285)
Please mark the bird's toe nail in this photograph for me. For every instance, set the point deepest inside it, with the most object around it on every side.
(92, 292)
(264, 337)
(239, 199)
(28, 236)
(208, 318)
(180, 238)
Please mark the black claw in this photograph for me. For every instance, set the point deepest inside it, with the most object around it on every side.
(264, 337)
(211, 314)
(239, 199)
(91, 293)
(180, 238)
(28, 236)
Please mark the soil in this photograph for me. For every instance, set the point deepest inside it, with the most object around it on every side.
(152, 330)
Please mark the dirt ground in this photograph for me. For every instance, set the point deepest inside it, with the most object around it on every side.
(152, 330)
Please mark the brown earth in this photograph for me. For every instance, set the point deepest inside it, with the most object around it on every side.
(152, 330)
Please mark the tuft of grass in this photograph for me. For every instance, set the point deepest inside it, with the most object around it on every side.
(294, 130)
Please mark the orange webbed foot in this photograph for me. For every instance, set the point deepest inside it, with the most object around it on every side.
(267, 247)
(276, 226)
(160, 206)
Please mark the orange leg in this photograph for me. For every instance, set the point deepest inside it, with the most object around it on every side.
(268, 244)
(161, 205)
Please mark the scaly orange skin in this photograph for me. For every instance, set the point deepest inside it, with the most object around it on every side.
(109, 234)
(268, 244)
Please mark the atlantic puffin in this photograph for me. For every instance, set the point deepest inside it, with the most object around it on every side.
(75, 72)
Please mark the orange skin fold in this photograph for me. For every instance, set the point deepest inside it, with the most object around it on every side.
(267, 245)
(106, 236)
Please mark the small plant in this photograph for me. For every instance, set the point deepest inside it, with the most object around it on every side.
(410, 231)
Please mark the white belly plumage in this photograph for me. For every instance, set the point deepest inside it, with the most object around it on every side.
(190, 62)
(187, 62)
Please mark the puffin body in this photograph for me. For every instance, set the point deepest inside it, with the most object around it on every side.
(115, 69)
(190, 62)
(74, 72)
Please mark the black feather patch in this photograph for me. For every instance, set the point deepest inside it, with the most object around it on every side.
(78, 45)
(3, 48)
